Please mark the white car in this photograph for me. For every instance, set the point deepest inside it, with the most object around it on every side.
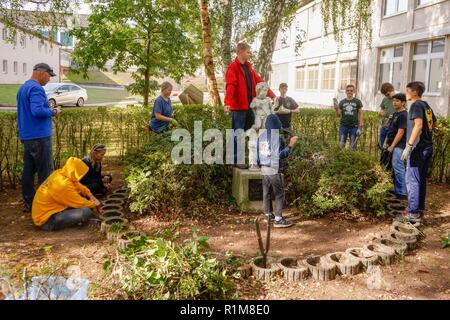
(63, 94)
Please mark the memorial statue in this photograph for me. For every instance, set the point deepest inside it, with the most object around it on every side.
(261, 106)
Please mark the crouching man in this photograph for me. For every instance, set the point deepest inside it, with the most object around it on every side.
(62, 201)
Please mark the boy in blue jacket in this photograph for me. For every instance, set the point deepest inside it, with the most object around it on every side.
(271, 149)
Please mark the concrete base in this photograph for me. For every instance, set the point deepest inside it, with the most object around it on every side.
(247, 189)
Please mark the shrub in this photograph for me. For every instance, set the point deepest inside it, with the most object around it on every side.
(334, 180)
(161, 269)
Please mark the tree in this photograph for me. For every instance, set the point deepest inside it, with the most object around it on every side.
(208, 60)
(225, 44)
(148, 35)
(269, 37)
(35, 15)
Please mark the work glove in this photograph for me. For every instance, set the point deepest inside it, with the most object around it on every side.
(359, 131)
(409, 148)
(175, 123)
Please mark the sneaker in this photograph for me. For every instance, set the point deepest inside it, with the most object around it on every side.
(26, 208)
(402, 216)
(283, 223)
(414, 217)
(269, 216)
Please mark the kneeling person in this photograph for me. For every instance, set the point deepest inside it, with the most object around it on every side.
(271, 151)
(97, 183)
(59, 202)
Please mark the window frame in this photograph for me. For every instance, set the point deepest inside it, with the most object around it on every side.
(391, 60)
(297, 70)
(313, 68)
(396, 12)
(428, 57)
(330, 66)
(349, 64)
(5, 66)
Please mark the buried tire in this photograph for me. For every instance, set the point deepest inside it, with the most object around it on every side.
(345, 263)
(265, 273)
(320, 269)
(405, 232)
(293, 270)
(393, 236)
(367, 259)
(400, 248)
(386, 255)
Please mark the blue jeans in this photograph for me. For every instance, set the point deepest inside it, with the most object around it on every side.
(37, 158)
(398, 167)
(416, 178)
(344, 132)
(67, 218)
(383, 133)
(241, 119)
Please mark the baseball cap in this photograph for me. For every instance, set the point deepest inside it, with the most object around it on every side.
(45, 67)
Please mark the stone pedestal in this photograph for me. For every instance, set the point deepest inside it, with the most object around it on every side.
(247, 189)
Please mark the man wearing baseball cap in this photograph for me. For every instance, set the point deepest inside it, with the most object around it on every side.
(34, 120)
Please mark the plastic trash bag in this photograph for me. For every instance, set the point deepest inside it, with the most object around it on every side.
(54, 288)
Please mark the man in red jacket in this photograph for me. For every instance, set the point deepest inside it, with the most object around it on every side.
(240, 89)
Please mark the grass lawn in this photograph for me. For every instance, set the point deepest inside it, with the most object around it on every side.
(93, 77)
(8, 95)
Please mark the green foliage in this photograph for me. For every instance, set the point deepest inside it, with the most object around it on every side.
(116, 227)
(161, 269)
(141, 34)
(348, 16)
(337, 180)
(446, 241)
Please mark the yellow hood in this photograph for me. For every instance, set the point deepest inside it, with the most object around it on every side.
(74, 169)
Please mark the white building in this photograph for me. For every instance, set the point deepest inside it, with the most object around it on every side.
(410, 41)
(27, 49)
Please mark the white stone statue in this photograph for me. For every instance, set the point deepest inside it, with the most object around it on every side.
(261, 106)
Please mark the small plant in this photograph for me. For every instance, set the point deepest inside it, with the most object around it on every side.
(161, 269)
(446, 241)
(130, 235)
(116, 227)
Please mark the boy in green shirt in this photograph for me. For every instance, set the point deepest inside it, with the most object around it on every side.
(386, 109)
(349, 109)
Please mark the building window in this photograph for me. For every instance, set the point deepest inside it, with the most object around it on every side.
(428, 64)
(348, 73)
(300, 78)
(5, 66)
(66, 39)
(24, 68)
(313, 77)
(315, 22)
(15, 67)
(4, 34)
(424, 2)
(328, 76)
(395, 6)
(391, 66)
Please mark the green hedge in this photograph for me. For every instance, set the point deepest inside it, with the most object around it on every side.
(122, 129)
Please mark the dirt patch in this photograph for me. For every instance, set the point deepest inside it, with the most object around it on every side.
(423, 275)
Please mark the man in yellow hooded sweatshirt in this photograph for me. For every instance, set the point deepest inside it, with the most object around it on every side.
(59, 201)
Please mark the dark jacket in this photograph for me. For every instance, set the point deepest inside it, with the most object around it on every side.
(271, 150)
(94, 179)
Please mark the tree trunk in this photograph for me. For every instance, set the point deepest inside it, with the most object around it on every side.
(147, 73)
(269, 37)
(207, 54)
(225, 44)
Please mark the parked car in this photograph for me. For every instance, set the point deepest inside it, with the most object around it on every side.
(63, 94)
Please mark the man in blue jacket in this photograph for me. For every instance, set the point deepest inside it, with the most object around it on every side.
(34, 120)
(271, 150)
